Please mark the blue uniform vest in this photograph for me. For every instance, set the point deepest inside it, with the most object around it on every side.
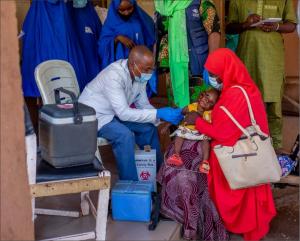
(197, 38)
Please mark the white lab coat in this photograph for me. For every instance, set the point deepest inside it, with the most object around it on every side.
(112, 92)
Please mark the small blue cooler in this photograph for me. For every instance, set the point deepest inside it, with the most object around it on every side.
(131, 201)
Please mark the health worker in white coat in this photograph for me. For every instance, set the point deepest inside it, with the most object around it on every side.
(112, 94)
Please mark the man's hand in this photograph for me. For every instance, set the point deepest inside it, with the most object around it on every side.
(125, 41)
(191, 117)
(251, 19)
(172, 115)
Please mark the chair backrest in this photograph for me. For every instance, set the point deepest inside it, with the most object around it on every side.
(53, 74)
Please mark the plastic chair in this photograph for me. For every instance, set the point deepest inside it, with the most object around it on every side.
(53, 74)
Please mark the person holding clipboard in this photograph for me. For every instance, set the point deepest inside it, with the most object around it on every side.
(260, 24)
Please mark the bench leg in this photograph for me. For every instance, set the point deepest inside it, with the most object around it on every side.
(102, 211)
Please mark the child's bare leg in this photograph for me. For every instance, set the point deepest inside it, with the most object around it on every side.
(205, 149)
(178, 144)
(204, 165)
(175, 159)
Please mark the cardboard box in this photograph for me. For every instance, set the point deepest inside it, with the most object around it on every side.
(145, 161)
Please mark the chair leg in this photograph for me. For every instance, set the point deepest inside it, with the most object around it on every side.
(102, 211)
(98, 155)
(84, 204)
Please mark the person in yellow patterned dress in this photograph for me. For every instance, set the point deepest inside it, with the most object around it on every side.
(262, 51)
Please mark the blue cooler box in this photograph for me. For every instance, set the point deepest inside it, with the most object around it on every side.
(131, 201)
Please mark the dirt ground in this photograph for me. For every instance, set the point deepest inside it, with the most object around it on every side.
(285, 226)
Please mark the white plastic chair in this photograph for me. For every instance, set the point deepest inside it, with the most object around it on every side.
(53, 74)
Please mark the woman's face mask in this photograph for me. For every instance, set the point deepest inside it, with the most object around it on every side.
(214, 83)
(212, 80)
(144, 76)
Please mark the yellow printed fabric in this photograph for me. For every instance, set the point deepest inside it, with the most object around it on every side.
(209, 16)
(263, 52)
(192, 107)
(206, 115)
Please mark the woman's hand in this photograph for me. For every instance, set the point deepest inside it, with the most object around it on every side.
(191, 117)
(269, 27)
(251, 19)
(185, 110)
(125, 41)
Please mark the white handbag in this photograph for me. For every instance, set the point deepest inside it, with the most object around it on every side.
(252, 160)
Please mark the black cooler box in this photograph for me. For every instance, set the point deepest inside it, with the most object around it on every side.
(67, 132)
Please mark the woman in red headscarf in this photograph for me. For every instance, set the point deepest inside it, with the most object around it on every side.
(246, 211)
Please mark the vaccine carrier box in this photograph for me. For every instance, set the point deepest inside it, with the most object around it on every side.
(67, 133)
(131, 201)
(145, 161)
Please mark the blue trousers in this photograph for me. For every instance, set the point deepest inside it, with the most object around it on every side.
(123, 136)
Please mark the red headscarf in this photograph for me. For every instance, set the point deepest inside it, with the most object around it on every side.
(229, 68)
(224, 63)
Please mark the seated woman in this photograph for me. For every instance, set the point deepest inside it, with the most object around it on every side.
(203, 106)
(247, 211)
(126, 25)
(184, 193)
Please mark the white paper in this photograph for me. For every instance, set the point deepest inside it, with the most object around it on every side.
(267, 20)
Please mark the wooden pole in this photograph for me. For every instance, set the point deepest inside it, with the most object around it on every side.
(16, 222)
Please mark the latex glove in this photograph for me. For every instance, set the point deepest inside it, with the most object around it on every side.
(172, 115)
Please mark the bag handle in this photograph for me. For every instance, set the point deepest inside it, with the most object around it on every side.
(235, 121)
(77, 117)
(253, 121)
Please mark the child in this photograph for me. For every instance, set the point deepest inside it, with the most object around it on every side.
(205, 104)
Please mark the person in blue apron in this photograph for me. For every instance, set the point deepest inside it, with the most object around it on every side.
(48, 33)
(126, 26)
(202, 34)
(88, 28)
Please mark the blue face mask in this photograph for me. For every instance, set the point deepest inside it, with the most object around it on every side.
(212, 81)
(144, 76)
